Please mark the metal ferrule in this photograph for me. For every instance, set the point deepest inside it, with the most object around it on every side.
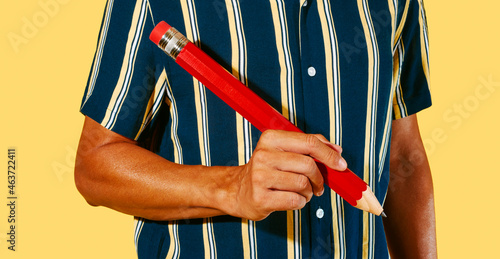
(172, 42)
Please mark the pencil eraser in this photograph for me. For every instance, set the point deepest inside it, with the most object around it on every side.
(159, 31)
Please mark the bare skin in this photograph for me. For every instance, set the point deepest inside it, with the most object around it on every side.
(113, 171)
(410, 226)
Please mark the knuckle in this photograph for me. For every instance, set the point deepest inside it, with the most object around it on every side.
(297, 202)
(320, 137)
(302, 182)
(309, 164)
(261, 207)
(333, 156)
(268, 135)
(309, 196)
(260, 156)
(258, 203)
(312, 141)
(258, 178)
(257, 200)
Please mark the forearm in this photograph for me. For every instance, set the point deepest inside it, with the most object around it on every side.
(410, 225)
(113, 171)
(135, 181)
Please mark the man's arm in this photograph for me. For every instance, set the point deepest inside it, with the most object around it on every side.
(410, 223)
(113, 171)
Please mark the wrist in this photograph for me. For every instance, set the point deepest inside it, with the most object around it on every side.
(226, 189)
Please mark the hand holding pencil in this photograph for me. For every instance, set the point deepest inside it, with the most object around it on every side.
(349, 186)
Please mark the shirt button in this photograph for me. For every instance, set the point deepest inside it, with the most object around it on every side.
(305, 3)
(320, 213)
(311, 71)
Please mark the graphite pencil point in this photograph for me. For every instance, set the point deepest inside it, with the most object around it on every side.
(383, 214)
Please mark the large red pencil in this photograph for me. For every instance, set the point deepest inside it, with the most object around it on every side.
(239, 97)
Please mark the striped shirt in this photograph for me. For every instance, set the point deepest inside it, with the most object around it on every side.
(344, 69)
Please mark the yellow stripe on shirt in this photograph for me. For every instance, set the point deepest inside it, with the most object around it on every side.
(192, 33)
(178, 157)
(122, 86)
(173, 249)
(150, 108)
(331, 75)
(423, 41)
(281, 58)
(280, 26)
(401, 23)
(235, 60)
(372, 52)
(243, 135)
(399, 102)
(100, 46)
(392, 11)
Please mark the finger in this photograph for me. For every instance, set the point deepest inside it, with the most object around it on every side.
(302, 165)
(306, 144)
(328, 143)
(291, 182)
(291, 163)
(282, 200)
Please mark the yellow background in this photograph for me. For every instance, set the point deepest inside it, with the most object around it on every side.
(43, 78)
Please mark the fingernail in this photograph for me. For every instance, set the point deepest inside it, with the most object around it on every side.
(342, 163)
(321, 192)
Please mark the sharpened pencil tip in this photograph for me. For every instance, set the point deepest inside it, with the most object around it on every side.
(383, 214)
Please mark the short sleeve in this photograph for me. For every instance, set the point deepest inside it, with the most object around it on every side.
(122, 92)
(411, 55)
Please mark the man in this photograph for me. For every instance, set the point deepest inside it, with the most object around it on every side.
(203, 182)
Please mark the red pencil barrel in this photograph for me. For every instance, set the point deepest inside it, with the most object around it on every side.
(231, 90)
(259, 113)
(249, 105)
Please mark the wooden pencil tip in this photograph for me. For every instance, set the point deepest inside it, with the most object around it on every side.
(383, 214)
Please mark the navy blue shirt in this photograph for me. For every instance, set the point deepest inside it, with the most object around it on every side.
(344, 69)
